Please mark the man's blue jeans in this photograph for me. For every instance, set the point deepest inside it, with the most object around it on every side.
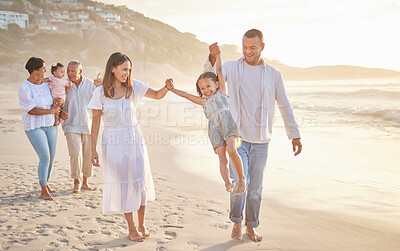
(254, 158)
(44, 140)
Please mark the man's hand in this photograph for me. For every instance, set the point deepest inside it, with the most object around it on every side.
(297, 146)
(64, 115)
(98, 80)
(214, 52)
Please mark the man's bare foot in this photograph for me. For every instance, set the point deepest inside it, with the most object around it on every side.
(87, 187)
(46, 196)
(77, 188)
(253, 235)
(241, 188)
(229, 187)
(144, 231)
(50, 190)
(237, 231)
(134, 236)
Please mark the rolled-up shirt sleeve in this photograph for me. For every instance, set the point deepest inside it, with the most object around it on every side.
(25, 99)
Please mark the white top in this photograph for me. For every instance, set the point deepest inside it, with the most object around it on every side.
(251, 96)
(78, 98)
(110, 112)
(31, 96)
(272, 90)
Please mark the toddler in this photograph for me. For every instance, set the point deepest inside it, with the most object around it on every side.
(58, 87)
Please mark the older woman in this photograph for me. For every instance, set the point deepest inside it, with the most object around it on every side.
(38, 118)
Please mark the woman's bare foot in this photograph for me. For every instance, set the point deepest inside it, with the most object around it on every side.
(50, 190)
(134, 236)
(46, 196)
(237, 231)
(241, 188)
(253, 235)
(144, 231)
(229, 187)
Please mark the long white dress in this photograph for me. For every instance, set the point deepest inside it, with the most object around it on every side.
(128, 182)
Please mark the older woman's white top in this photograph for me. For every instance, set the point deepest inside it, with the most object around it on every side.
(31, 96)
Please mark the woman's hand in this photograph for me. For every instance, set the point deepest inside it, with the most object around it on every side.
(95, 159)
(55, 110)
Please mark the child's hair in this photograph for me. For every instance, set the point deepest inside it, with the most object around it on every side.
(207, 74)
(55, 66)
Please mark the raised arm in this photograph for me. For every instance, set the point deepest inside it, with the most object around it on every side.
(195, 99)
(221, 81)
(94, 135)
(151, 93)
(214, 51)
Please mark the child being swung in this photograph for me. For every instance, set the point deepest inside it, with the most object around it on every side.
(222, 129)
(58, 87)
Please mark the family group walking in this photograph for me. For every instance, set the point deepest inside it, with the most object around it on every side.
(239, 127)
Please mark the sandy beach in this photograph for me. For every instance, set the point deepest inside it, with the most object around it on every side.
(190, 211)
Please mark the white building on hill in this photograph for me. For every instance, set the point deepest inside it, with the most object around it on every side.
(10, 17)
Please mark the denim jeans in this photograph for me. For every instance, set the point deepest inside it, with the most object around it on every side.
(44, 140)
(254, 158)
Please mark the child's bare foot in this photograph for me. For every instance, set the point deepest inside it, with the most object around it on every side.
(254, 236)
(134, 236)
(144, 231)
(241, 188)
(237, 231)
(229, 187)
(56, 122)
(46, 196)
(50, 190)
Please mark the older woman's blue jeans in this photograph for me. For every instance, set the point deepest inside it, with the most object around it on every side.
(254, 159)
(44, 140)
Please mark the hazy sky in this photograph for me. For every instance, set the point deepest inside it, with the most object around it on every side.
(297, 32)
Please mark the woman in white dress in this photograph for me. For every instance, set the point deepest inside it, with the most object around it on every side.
(128, 183)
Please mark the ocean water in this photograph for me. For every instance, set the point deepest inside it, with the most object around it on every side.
(351, 136)
(372, 103)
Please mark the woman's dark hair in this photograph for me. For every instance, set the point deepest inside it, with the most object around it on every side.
(207, 74)
(116, 59)
(54, 67)
(34, 64)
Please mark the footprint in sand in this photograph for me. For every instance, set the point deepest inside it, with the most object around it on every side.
(195, 244)
(170, 235)
(106, 233)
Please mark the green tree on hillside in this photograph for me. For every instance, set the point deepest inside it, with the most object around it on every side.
(18, 6)
(15, 31)
(35, 2)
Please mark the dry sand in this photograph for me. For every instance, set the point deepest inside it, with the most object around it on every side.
(190, 213)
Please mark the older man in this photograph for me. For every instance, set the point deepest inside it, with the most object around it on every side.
(76, 128)
(253, 88)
